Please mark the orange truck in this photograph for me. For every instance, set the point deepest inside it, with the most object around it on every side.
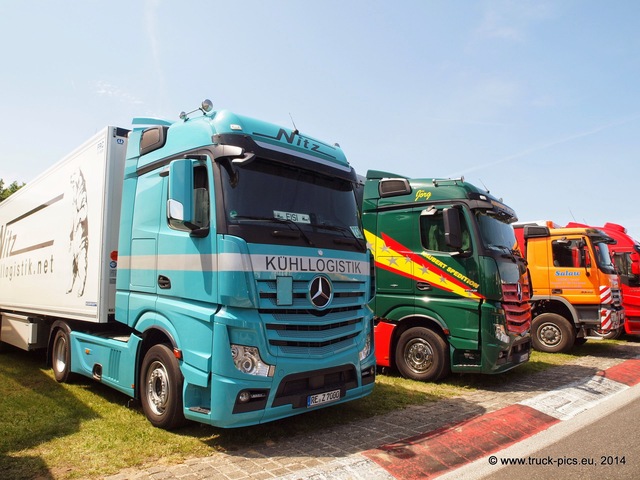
(576, 290)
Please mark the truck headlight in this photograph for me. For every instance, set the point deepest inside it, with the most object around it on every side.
(364, 353)
(501, 333)
(247, 360)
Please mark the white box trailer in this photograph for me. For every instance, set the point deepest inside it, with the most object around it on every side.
(58, 242)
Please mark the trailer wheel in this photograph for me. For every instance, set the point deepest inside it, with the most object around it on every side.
(421, 355)
(552, 333)
(161, 388)
(61, 356)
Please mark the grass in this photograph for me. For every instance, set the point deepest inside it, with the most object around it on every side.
(84, 430)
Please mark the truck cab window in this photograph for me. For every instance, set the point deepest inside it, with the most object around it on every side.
(567, 254)
(622, 262)
(432, 233)
(201, 197)
(201, 203)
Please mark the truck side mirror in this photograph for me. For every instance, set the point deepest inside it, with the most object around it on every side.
(635, 268)
(452, 229)
(585, 258)
(180, 207)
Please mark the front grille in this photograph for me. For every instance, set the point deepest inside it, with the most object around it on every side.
(349, 293)
(616, 297)
(516, 306)
(300, 329)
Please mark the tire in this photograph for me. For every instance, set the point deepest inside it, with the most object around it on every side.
(422, 354)
(161, 388)
(61, 356)
(552, 333)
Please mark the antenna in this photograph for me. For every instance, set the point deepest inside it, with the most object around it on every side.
(485, 187)
(572, 216)
(295, 129)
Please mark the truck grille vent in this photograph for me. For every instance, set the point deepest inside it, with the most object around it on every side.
(300, 329)
(516, 306)
(616, 297)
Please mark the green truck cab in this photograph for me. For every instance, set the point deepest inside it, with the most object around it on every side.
(452, 290)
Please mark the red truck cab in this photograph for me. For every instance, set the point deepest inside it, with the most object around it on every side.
(626, 258)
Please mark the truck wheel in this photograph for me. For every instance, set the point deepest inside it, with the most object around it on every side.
(61, 356)
(552, 333)
(421, 355)
(161, 388)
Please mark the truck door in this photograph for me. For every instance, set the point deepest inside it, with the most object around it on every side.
(447, 280)
(144, 235)
(538, 253)
(573, 275)
(187, 261)
(396, 231)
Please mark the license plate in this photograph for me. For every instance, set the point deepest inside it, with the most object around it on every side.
(523, 357)
(322, 398)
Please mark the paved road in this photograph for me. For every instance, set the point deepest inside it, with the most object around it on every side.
(607, 448)
(589, 446)
(348, 451)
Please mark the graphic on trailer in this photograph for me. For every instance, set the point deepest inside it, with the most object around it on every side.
(79, 236)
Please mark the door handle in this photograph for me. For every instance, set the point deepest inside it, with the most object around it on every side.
(164, 282)
(423, 286)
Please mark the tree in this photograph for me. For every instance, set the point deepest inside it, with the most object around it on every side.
(5, 192)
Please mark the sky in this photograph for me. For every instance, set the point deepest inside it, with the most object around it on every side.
(536, 101)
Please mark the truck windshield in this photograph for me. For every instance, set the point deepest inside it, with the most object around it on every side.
(269, 202)
(602, 257)
(496, 234)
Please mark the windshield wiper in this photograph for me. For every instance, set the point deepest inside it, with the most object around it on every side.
(506, 251)
(276, 220)
(339, 228)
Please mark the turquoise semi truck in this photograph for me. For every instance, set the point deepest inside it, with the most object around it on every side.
(213, 268)
(452, 292)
